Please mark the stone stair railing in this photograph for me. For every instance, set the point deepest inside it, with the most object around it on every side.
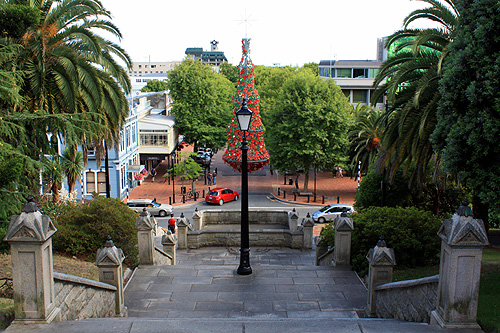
(149, 254)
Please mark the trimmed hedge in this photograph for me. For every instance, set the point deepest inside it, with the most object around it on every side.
(83, 228)
(412, 233)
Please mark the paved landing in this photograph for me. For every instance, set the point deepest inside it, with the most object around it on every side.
(284, 284)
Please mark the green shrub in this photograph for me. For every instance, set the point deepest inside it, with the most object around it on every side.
(409, 231)
(83, 228)
(327, 235)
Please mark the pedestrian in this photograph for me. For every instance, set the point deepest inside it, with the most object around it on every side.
(171, 223)
(209, 179)
(341, 173)
(215, 177)
(153, 174)
(297, 182)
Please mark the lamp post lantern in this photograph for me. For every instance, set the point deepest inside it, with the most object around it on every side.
(244, 115)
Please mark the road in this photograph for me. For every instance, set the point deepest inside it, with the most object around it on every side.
(255, 201)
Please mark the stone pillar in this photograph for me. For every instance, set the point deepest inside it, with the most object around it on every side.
(197, 219)
(169, 243)
(182, 229)
(109, 261)
(29, 236)
(293, 220)
(308, 226)
(145, 226)
(344, 227)
(381, 260)
(463, 239)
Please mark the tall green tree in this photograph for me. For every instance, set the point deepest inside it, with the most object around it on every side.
(155, 85)
(310, 127)
(229, 71)
(72, 162)
(410, 80)
(201, 102)
(468, 128)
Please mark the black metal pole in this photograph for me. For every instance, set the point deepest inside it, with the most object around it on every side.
(314, 183)
(244, 268)
(173, 180)
(106, 174)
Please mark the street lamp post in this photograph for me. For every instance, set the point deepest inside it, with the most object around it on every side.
(244, 115)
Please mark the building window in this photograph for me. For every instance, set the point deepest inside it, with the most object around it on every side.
(90, 181)
(344, 72)
(134, 134)
(154, 139)
(359, 73)
(122, 141)
(101, 182)
(137, 80)
(153, 66)
(146, 66)
(372, 72)
(360, 96)
(140, 67)
(90, 151)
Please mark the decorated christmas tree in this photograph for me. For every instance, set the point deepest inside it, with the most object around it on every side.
(257, 153)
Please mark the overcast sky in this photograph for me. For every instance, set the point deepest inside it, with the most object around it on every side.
(283, 32)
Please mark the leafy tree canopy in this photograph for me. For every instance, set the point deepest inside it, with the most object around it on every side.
(311, 125)
(229, 71)
(468, 128)
(201, 102)
(155, 85)
(313, 66)
(16, 19)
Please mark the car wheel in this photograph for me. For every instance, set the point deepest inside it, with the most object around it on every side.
(235, 198)
(321, 220)
(221, 202)
(163, 213)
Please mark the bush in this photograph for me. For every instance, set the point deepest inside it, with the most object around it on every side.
(412, 234)
(83, 228)
(327, 235)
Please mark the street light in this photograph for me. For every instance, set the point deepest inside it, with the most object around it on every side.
(244, 115)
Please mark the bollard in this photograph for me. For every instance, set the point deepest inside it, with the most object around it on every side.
(203, 193)
(279, 192)
(170, 201)
(284, 180)
(284, 194)
(173, 199)
(183, 198)
(168, 180)
(308, 198)
(338, 199)
(295, 196)
(323, 202)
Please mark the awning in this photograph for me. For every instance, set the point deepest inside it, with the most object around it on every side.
(135, 168)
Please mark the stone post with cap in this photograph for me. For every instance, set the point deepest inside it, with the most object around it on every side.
(382, 261)
(308, 226)
(294, 219)
(197, 219)
(169, 244)
(182, 228)
(109, 261)
(145, 226)
(463, 239)
(344, 227)
(30, 237)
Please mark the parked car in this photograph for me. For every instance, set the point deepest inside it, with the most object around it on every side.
(220, 195)
(207, 151)
(151, 206)
(331, 212)
(203, 159)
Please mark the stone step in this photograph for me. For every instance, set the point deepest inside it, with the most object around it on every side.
(257, 325)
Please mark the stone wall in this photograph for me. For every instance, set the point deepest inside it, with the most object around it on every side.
(411, 300)
(80, 298)
(161, 258)
(213, 217)
(280, 237)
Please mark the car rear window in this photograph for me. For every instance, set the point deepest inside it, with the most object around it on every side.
(212, 192)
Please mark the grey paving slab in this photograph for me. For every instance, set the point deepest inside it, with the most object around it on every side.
(198, 314)
(168, 272)
(295, 305)
(173, 305)
(216, 272)
(167, 287)
(257, 315)
(317, 280)
(237, 296)
(190, 296)
(337, 296)
(258, 306)
(334, 305)
(255, 288)
(219, 306)
(298, 288)
(192, 280)
(271, 280)
(293, 296)
(323, 314)
(359, 288)
(296, 273)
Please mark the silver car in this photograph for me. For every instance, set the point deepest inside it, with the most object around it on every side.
(151, 206)
(331, 212)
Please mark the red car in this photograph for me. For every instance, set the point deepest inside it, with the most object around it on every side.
(220, 195)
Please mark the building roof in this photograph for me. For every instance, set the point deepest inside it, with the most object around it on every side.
(156, 122)
(194, 50)
(350, 63)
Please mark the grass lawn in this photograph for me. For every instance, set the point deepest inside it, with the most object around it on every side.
(488, 314)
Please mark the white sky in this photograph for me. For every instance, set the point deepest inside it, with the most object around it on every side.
(284, 32)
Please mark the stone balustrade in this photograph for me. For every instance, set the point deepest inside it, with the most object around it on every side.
(411, 300)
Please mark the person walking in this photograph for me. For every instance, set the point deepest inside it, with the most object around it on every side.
(171, 223)
(153, 174)
(209, 179)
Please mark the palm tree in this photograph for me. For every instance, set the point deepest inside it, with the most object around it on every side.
(53, 174)
(412, 76)
(72, 165)
(71, 69)
(366, 136)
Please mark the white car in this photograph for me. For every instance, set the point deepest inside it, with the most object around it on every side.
(151, 206)
(331, 212)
